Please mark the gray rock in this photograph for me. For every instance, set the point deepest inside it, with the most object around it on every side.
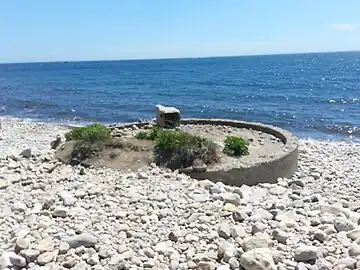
(55, 143)
(168, 117)
(354, 234)
(174, 235)
(60, 212)
(83, 239)
(26, 153)
(320, 235)
(17, 260)
(224, 231)
(315, 221)
(30, 254)
(258, 227)
(297, 182)
(149, 263)
(257, 259)
(143, 175)
(69, 262)
(239, 216)
(305, 253)
(149, 252)
(206, 266)
(280, 236)
(354, 250)
(343, 224)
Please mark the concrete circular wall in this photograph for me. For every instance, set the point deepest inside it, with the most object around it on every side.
(284, 163)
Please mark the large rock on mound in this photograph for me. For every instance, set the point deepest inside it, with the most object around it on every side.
(167, 117)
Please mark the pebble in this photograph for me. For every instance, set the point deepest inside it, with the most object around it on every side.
(17, 260)
(60, 212)
(30, 254)
(305, 253)
(224, 231)
(257, 259)
(343, 224)
(46, 258)
(21, 244)
(84, 239)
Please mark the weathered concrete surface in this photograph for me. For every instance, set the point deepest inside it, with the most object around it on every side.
(283, 164)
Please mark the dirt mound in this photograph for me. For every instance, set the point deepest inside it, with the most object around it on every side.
(118, 153)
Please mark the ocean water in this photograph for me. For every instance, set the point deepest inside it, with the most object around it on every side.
(312, 95)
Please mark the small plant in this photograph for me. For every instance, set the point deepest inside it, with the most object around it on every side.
(236, 146)
(148, 135)
(142, 135)
(92, 133)
(178, 149)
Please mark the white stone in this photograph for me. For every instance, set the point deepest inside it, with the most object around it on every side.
(224, 230)
(257, 259)
(46, 258)
(67, 198)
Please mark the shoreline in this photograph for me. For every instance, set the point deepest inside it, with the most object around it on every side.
(336, 138)
(82, 218)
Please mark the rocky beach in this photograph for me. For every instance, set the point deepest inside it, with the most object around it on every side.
(54, 216)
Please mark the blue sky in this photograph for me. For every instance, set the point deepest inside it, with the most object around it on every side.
(43, 30)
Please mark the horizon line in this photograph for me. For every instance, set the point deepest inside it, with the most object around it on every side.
(176, 58)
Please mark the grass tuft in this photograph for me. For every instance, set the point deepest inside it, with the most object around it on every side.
(92, 133)
(148, 135)
(178, 149)
(236, 146)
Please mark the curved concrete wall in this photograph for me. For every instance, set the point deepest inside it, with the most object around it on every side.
(284, 164)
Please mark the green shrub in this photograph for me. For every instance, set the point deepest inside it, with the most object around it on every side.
(148, 135)
(178, 149)
(92, 133)
(236, 146)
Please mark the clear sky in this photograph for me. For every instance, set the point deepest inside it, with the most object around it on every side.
(50, 30)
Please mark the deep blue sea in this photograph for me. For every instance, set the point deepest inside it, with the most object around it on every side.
(312, 95)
